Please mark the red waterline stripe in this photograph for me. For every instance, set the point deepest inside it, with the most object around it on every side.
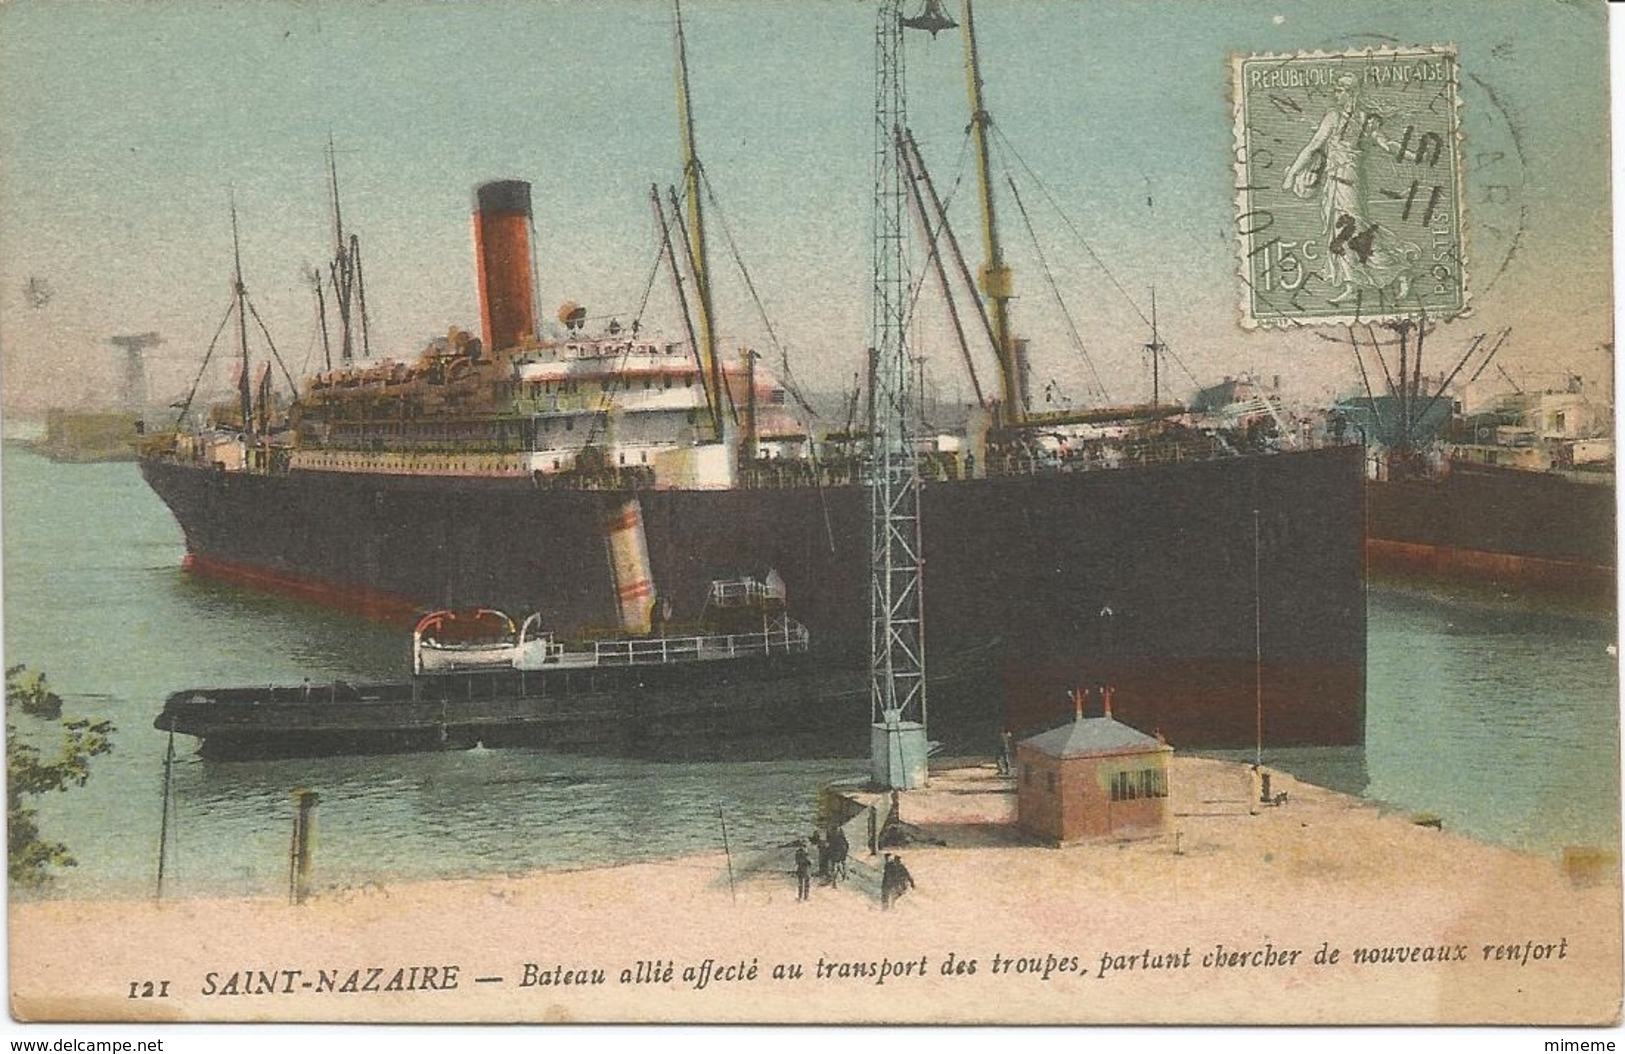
(355, 600)
(1478, 564)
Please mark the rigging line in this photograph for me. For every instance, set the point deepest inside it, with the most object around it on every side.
(708, 355)
(252, 310)
(1471, 350)
(1376, 414)
(361, 295)
(945, 233)
(933, 236)
(1168, 350)
(682, 298)
(207, 355)
(606, 398)
(960, 168)
(321, 320)
(739, 261)
(916, 288)
(1421, 332)
(1376, 345)
(784, 356)
(304, 367)
(1488, 358)
(648, 289)
(1050, 197)
(907, 149)
(1005, 144)
(1049, 277)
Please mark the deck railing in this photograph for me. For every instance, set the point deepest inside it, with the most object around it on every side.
(784, 637)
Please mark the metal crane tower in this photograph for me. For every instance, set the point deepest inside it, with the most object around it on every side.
(896, 629)
(135, 371)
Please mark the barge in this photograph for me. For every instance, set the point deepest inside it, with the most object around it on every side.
(620, 694)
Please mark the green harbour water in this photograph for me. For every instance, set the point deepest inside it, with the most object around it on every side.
(1498, 718)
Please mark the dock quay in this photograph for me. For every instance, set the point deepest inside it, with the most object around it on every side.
(1327, 909)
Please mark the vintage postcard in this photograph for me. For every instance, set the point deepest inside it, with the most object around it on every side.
(1079, 512)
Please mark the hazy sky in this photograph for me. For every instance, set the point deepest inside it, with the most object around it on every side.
(125, 126)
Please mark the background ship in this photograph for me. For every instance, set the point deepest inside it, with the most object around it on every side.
(1516, 494)
(1221, 593)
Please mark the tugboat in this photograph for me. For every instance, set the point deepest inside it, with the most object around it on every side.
(478, 680)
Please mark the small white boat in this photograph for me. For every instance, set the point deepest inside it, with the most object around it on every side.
(478, 639)
(742, 617)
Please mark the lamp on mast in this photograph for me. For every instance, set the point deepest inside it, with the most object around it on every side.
(933, 19)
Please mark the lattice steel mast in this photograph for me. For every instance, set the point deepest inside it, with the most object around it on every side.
(896, 628)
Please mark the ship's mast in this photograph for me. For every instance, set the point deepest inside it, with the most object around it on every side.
(1156, 347)
(692, 178)
(338, 268)
(996, 280)
(934, 225)
(245, 382)
(349, 289)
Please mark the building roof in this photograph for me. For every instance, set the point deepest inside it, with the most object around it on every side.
(1089, 736)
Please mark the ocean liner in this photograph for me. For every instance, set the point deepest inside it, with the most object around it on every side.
(594, 474)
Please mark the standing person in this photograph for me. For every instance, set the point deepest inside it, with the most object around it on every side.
(823, 855)
(839, 847)
(803, 872)
(894, 880)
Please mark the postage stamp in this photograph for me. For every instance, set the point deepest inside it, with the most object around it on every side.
(1349, 186)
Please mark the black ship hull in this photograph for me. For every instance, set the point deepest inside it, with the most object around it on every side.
(1223, 599)
(678, 710)
(1509, 529)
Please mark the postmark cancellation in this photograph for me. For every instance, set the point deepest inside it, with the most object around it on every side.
(1349, 186)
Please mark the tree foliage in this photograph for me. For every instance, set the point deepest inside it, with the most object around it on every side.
(29, 773)
(29, 693)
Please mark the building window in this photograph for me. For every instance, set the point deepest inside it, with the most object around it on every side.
(1027, 775)
(1144, 783)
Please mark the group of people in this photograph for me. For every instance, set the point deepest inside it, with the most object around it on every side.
(831, 851)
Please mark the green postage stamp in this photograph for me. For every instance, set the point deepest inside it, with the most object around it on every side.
(1349, 201)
